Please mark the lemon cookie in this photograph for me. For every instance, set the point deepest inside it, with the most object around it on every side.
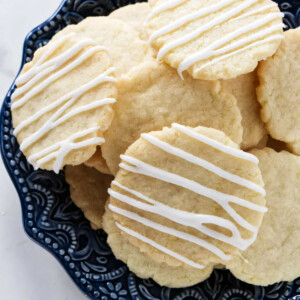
(127, 49)
(187, 197)
(213, 39)
(88, 189)
(275, 255)
(135, 15)
(98, 162)
(244, 89)
(63, 102)
(279, 91)
(153, 96)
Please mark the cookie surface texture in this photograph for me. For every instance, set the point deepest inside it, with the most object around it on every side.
(154, 96)
(98, 162)
(88, 189)
(63, 102)
(275, 255)
(213, 39)
(188, 197)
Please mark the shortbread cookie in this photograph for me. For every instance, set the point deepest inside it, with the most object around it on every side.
(213, 39)
(188, 197)
(275, 255)
(127, 50)
(98, 162)
(88, 189)
(244, 89)
(154, 96)
(279, 91)
(63, 102)
(135, 15)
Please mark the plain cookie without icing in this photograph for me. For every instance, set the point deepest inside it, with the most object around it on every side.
(153, 96)
(244, 89)
(213, 39)
(63, 102)
(88, 189)
(279, 91)
(98, 162)
(275, 255)
(187, 197)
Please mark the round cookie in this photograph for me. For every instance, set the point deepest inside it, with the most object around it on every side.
(187, 197)
(135, 15)
(88, 189)
(98, 162)
(279, 91)
(213, 39)
(244, 89)
(63, 102)
(153, 96)
(126, 48)
(275, 255)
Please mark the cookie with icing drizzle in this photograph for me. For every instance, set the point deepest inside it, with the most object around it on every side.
(153, 96)
(213, 39)
(63, 102)
(279, 91)
(275, 255)
(187, 197)
(88, 189)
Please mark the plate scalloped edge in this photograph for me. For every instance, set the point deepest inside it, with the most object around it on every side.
(55, 223)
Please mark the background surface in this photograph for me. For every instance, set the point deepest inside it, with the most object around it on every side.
(27, 271)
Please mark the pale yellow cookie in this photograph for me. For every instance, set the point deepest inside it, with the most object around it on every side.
(244, 89)
(153, 96)
(126, 48)
(275, 255)
(63, 102)
(213, 39)
(88, 189)
(98, 162)
(186, 197)
(135, 15)
(279, 91)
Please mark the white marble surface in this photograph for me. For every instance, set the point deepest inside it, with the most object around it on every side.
(27, 271)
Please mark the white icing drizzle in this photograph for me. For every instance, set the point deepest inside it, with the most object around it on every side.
(215, 144)
(59, 150)
(203, 163)
(190, 219)
(222, 199)
(38, 88)
(160, 247)
(229, 16)
(36, 76)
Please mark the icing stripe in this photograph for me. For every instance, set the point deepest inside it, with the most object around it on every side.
(182, 235)
(160, 247)
(185, 218)
(222, 199)
(217, 145)
(37, 89)
(203, 163)
(62, 148)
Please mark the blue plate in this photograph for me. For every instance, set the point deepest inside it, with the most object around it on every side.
(54, 222)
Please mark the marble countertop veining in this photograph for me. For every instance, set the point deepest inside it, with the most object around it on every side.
(27, 271)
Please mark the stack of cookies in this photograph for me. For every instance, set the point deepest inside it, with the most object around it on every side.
(177, 124)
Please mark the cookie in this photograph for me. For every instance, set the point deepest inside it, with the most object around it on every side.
(127, 50)
(244, 89)
(88, 189)
(275, 255)
(98, 162)
(187, 197)
(153, 96)
(63, 102)
(279, 91)
(213, 39)
(135, 15)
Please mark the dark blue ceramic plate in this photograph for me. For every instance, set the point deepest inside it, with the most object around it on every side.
(54, 222)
